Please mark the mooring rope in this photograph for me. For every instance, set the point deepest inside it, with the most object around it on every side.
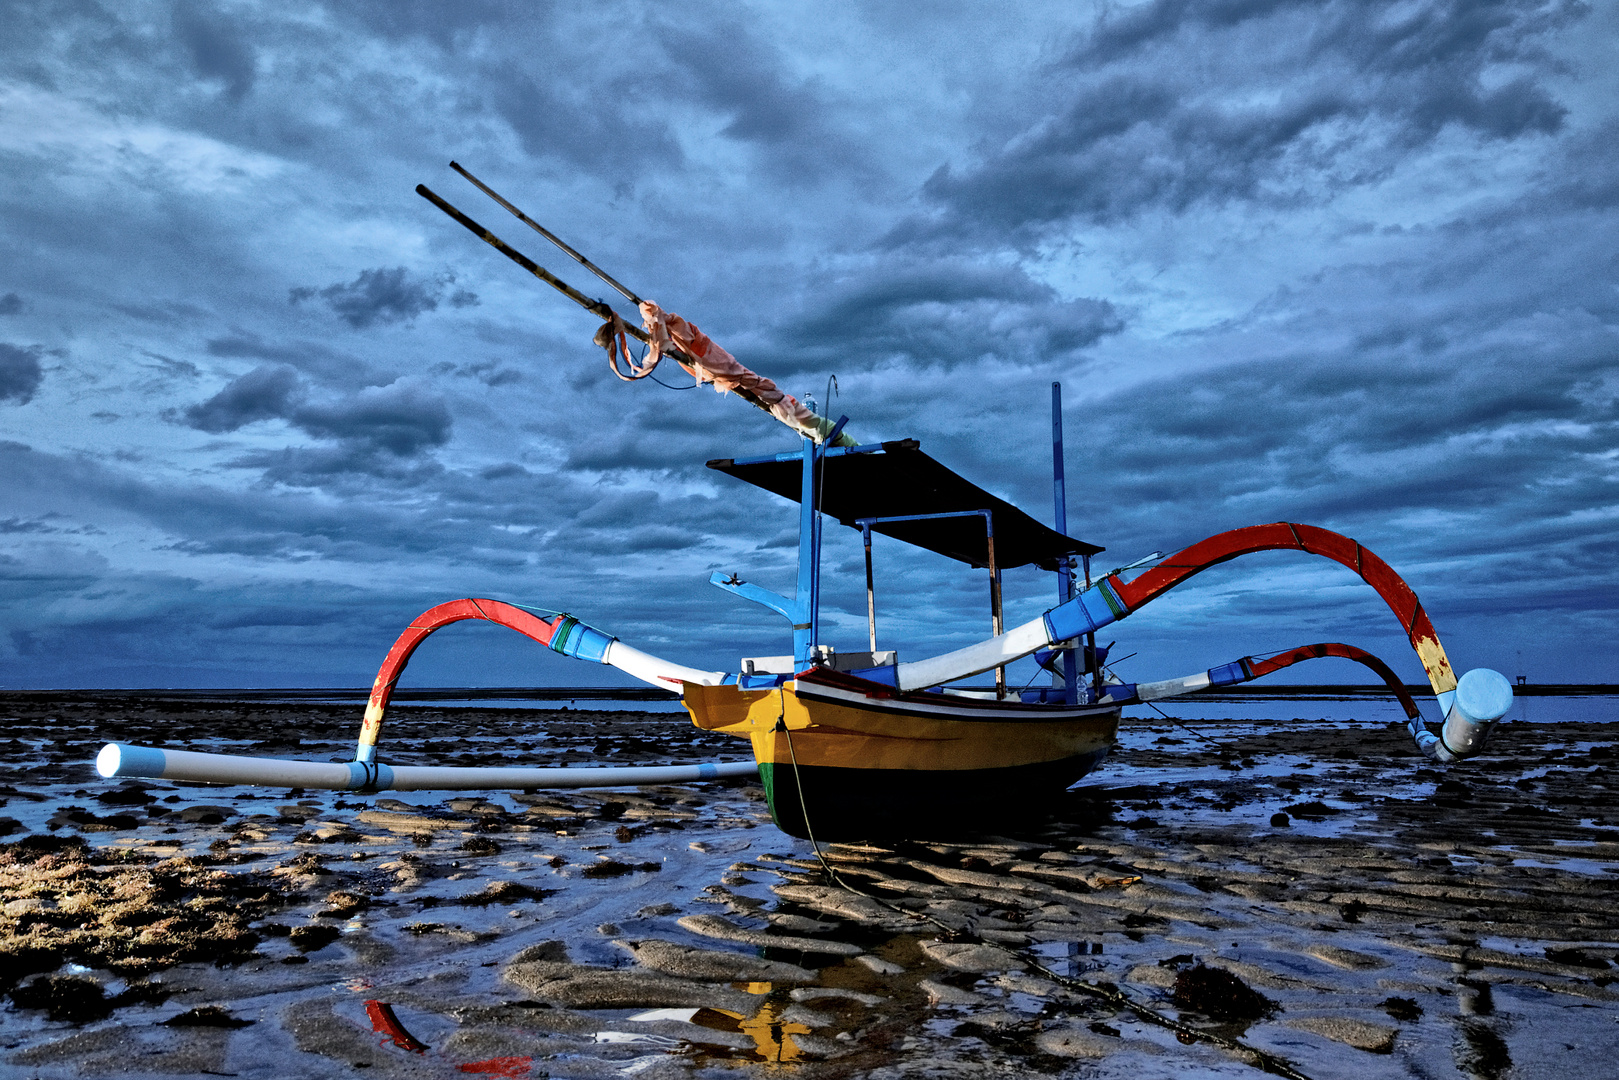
(1227, 747)
(826, 867)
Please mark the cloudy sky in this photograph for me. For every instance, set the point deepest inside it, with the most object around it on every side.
(1345, 263)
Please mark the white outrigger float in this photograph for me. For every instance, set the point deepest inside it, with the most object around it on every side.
(862, 743)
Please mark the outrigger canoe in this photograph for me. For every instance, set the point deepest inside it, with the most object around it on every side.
(851, 742)
(842, 756)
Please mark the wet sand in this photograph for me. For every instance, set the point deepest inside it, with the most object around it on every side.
(1318, 895)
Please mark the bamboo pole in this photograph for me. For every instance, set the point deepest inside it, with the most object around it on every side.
(548, 234)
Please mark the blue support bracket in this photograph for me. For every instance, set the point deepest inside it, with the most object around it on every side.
(791, 610)
(803, 610)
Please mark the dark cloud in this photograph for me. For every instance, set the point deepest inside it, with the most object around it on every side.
(787, 120)
(10, 304)
(445, 26)
(582, 122)
(265, 393)
(349, 469)
(399, 420)
(402, 418)
(1358, 444)
(34, 525)
(175, 369)
(167, 312)
(386, 296)
(488, 372)
(20, 373)
(942, 312)
(319, 361)
(215, 47)
(1173, 104)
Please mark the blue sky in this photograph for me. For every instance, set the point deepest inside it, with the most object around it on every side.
(1350, 264)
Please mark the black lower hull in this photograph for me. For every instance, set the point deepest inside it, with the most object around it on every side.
(830, 803)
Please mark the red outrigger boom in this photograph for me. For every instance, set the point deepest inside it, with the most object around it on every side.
(1283, 536)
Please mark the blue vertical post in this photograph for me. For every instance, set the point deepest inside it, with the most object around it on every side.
(807, 626)
(1065, 574)
(1090, 644)
(809, 561)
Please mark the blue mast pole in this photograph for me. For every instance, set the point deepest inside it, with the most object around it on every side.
(809, 561)
(1065, 574)
(807, 621)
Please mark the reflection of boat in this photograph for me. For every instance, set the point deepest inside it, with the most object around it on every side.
(852, 742)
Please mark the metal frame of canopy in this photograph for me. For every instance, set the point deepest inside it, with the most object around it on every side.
(896, 475)
(995, 619)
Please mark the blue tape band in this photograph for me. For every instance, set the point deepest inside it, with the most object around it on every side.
(141, 761)
(884, 674)
(1089, 611)
(574, 638)
(758, 682)
(366, 776)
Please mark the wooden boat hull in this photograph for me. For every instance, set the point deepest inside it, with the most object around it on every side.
(842, 757)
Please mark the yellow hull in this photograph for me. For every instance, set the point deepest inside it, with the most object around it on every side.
(839, 755)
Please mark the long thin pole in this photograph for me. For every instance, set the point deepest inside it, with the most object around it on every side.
(122, 759)
(548, 234)
(995, 620)
(808, 558)
(596, 307)
(1065, 573)
(599, 308)
(1090, 641)
(813, 449)
(871, 597)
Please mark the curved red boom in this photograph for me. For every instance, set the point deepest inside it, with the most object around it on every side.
(1283, 536)
(541, 630)
(1259, 668)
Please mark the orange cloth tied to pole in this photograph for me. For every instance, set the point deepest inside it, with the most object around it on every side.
(714, 365)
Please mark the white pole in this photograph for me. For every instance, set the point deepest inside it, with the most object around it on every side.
(122, 759)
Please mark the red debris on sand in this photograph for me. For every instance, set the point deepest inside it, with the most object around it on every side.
(500, 1066)
(384, 1022)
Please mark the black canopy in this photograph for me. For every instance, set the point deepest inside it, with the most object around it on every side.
(897, 480)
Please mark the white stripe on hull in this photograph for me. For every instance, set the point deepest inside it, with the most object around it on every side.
(1012, 711)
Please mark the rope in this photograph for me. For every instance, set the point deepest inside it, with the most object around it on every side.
(826, 867)
(1227, 747)
(667, 386)
(611, 336)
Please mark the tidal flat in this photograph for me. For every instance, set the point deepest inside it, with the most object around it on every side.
(1219, 899)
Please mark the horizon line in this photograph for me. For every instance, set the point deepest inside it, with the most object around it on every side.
(642, 693)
